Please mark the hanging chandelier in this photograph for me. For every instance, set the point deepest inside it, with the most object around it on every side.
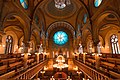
(60, 4)
(60, 59)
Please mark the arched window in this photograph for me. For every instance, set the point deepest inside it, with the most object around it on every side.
(85, 18)
(114, 44)
(24, 3)
(37, 19)
(9, 43)
(97, 3)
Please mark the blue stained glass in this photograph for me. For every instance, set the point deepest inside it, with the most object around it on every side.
(60, 38)
(21, 1)
(97, 3)
(24, 3)
(85, 18)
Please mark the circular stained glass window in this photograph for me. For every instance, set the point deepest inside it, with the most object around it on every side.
(24, 3)
(97, 3)
(60, 38)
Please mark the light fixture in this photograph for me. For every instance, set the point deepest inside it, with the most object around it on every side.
(27, 54)
(79, 72)
(42, 72)
(60, 4)
(60, 59)
(69, 78)
(96, 54)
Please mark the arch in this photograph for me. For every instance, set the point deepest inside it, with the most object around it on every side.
(81, 13)
(85, 33)
(63, 25)
(103, 15)
(15, 40)
(45, 1)
(107, 38)
(42, 19)
(37, 34)
(26, 28)
(98, 20)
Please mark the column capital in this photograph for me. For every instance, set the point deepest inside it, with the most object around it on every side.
(26, 43)
(96, 41)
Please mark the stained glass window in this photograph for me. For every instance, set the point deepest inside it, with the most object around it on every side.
(36, 19)
(9, 42)
(60, 38)
(85, 18)
(115, 45)
(97, 3)
(24, 3)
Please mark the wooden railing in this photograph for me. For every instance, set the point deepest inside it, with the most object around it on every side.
(30, 73)
(93, 74)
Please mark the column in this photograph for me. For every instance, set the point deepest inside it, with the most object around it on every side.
(97, 58)
(25, 48)
(53, 54)
(85, 77)
(37, 57)
(84, 54)
(37, 76)
(25, 60)
(84, 57)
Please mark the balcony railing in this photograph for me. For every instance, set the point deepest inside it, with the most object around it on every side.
(93, 74)
(30, 73)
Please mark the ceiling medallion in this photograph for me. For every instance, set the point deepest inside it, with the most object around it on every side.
(60, 4)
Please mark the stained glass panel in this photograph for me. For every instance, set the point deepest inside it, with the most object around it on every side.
(60, 38)
(97, 3)
(24, 3)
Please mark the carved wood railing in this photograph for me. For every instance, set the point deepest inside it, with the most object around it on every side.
(30, 73)
(93, 74)
(107, 60)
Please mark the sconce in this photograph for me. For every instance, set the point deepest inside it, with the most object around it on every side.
(42, 72)
(37, 53)
(79, 72)
(27, 54)
(84, 53)
(96, 54)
